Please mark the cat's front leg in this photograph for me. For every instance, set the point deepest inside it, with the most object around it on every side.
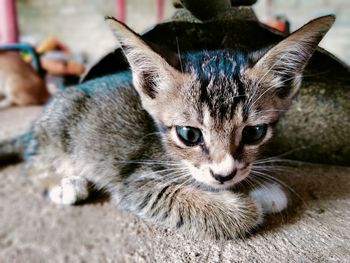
(70, 191)
(199, 213)
(271, 197)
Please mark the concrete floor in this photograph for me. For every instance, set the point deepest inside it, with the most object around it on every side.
(316, 227)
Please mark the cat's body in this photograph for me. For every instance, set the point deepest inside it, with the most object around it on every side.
(122, 153)
(169, 145)
(19, 83)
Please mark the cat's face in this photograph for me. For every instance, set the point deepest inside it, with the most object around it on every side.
(217, 112)
(215, 119)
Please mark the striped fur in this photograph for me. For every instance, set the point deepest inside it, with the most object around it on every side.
(119, 133)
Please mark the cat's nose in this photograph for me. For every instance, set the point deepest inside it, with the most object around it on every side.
(223, 178)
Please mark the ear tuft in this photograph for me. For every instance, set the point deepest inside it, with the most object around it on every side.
(284, 63)
(151, 72)
(122, 32)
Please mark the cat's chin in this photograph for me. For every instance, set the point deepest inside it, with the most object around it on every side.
(224, 186)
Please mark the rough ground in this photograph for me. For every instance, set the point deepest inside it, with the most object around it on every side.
(316, 227)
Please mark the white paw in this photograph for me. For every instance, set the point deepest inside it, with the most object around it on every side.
(271, 198)
(63, 195)
(70, 191)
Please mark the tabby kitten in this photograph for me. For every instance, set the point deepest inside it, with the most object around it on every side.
(171, 141)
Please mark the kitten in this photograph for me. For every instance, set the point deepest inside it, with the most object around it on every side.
(171, 141)
(19, 83)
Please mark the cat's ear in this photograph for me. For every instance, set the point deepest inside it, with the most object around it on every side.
(283, 64)
(151, 71)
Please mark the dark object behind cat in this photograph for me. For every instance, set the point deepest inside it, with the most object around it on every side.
(172, 139)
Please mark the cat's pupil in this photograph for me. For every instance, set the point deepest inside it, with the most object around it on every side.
(189, 135)
(254, 134)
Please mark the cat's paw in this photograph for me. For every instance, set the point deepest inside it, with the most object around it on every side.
(70, 191)
(271, 198)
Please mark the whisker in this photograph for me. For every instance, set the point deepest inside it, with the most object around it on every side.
(179, 54)
(276, 160)
(290, 152)
(267, 90)
(150, 162)
(149, 134)
(273, 179)
(161, 180)
(271, 167)
(264, 111)
(261, 79)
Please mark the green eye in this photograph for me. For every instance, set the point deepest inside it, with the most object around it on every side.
(189, 135)
(254, 134)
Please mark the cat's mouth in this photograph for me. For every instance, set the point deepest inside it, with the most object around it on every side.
(206, 177)
(239, 177)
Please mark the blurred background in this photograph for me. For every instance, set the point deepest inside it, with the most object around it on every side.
(298, 12)
(80, 24)
(74, 33)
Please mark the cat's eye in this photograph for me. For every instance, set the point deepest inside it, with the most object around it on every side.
(189, 135)
(254, 134)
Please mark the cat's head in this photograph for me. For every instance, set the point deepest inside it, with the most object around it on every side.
(217, 108)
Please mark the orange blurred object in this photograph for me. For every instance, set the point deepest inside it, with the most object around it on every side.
(51, 43)
(60, 67)
(278, 23)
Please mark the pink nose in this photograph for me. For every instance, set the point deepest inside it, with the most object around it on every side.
(222, 178)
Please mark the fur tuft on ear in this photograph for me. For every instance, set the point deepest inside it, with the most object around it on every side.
(283, 64)
(149, 69)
